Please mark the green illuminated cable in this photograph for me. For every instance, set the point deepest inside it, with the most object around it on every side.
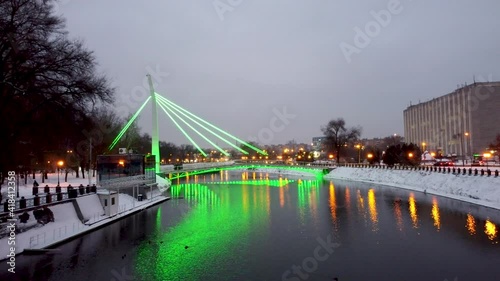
(125, 128)
(182, 130)
(196, 131)
(162, 99)
(213, 126)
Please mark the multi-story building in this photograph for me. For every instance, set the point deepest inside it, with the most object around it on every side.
(463, 122)
(317, 143)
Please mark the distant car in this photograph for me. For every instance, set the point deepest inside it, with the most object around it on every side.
(478, 163)
(444, 163)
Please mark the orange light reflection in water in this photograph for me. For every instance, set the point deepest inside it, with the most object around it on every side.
(333, 203)
(399, 215)
(372, 205)
(282, 196)
(347, 200)
(471, 224)
(491, 230)
(413, 210)
(435, 213)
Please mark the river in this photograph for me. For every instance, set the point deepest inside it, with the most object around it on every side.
(258, 226)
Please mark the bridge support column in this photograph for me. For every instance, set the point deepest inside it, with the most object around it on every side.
(155, 142)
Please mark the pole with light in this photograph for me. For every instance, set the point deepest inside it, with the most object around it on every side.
(59, 166)
(358, 146)
(467, 139)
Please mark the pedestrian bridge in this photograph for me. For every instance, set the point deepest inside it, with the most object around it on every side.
(192, 169)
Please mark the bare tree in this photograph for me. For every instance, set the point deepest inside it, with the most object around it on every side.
(48, 83)
(338, 136)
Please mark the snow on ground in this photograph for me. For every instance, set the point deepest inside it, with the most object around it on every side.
(90, 206)
(65, 223)
(480, 190)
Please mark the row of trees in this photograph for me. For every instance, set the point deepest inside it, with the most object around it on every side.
(50, 90)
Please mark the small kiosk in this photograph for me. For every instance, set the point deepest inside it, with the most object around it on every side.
(109, 201)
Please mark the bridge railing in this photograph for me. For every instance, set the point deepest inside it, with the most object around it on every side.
(126, 181)
(196, 166)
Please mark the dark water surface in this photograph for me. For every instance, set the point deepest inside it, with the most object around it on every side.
(234, 226)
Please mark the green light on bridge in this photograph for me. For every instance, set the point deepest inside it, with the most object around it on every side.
(161, 103)
(172, 109)
(213, 126)
(122, 132)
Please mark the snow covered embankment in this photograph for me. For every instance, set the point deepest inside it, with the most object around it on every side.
(480, 190)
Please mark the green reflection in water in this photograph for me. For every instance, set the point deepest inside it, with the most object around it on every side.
(308, 198)
(263, 182)
(216, 228)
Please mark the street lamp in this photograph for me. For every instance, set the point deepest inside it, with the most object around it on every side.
(370, 157)
(59, 165)
(423, 147)
(359, 153)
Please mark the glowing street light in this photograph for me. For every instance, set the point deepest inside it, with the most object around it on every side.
(410, 155)
(359, 147)
(423, 146)
(486, 156)
(370, 156)
(59, 166)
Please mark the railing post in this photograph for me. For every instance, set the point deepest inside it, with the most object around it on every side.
(22, 203)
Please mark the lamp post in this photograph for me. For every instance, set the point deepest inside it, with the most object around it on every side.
(358, 146)
(467, 139)
(59, 165)
(423, 147)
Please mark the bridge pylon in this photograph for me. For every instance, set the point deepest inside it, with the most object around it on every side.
(155, 142)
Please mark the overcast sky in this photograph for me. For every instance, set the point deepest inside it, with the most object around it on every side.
(238, 64)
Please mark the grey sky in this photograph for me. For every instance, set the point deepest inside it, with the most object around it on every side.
(263, 55)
